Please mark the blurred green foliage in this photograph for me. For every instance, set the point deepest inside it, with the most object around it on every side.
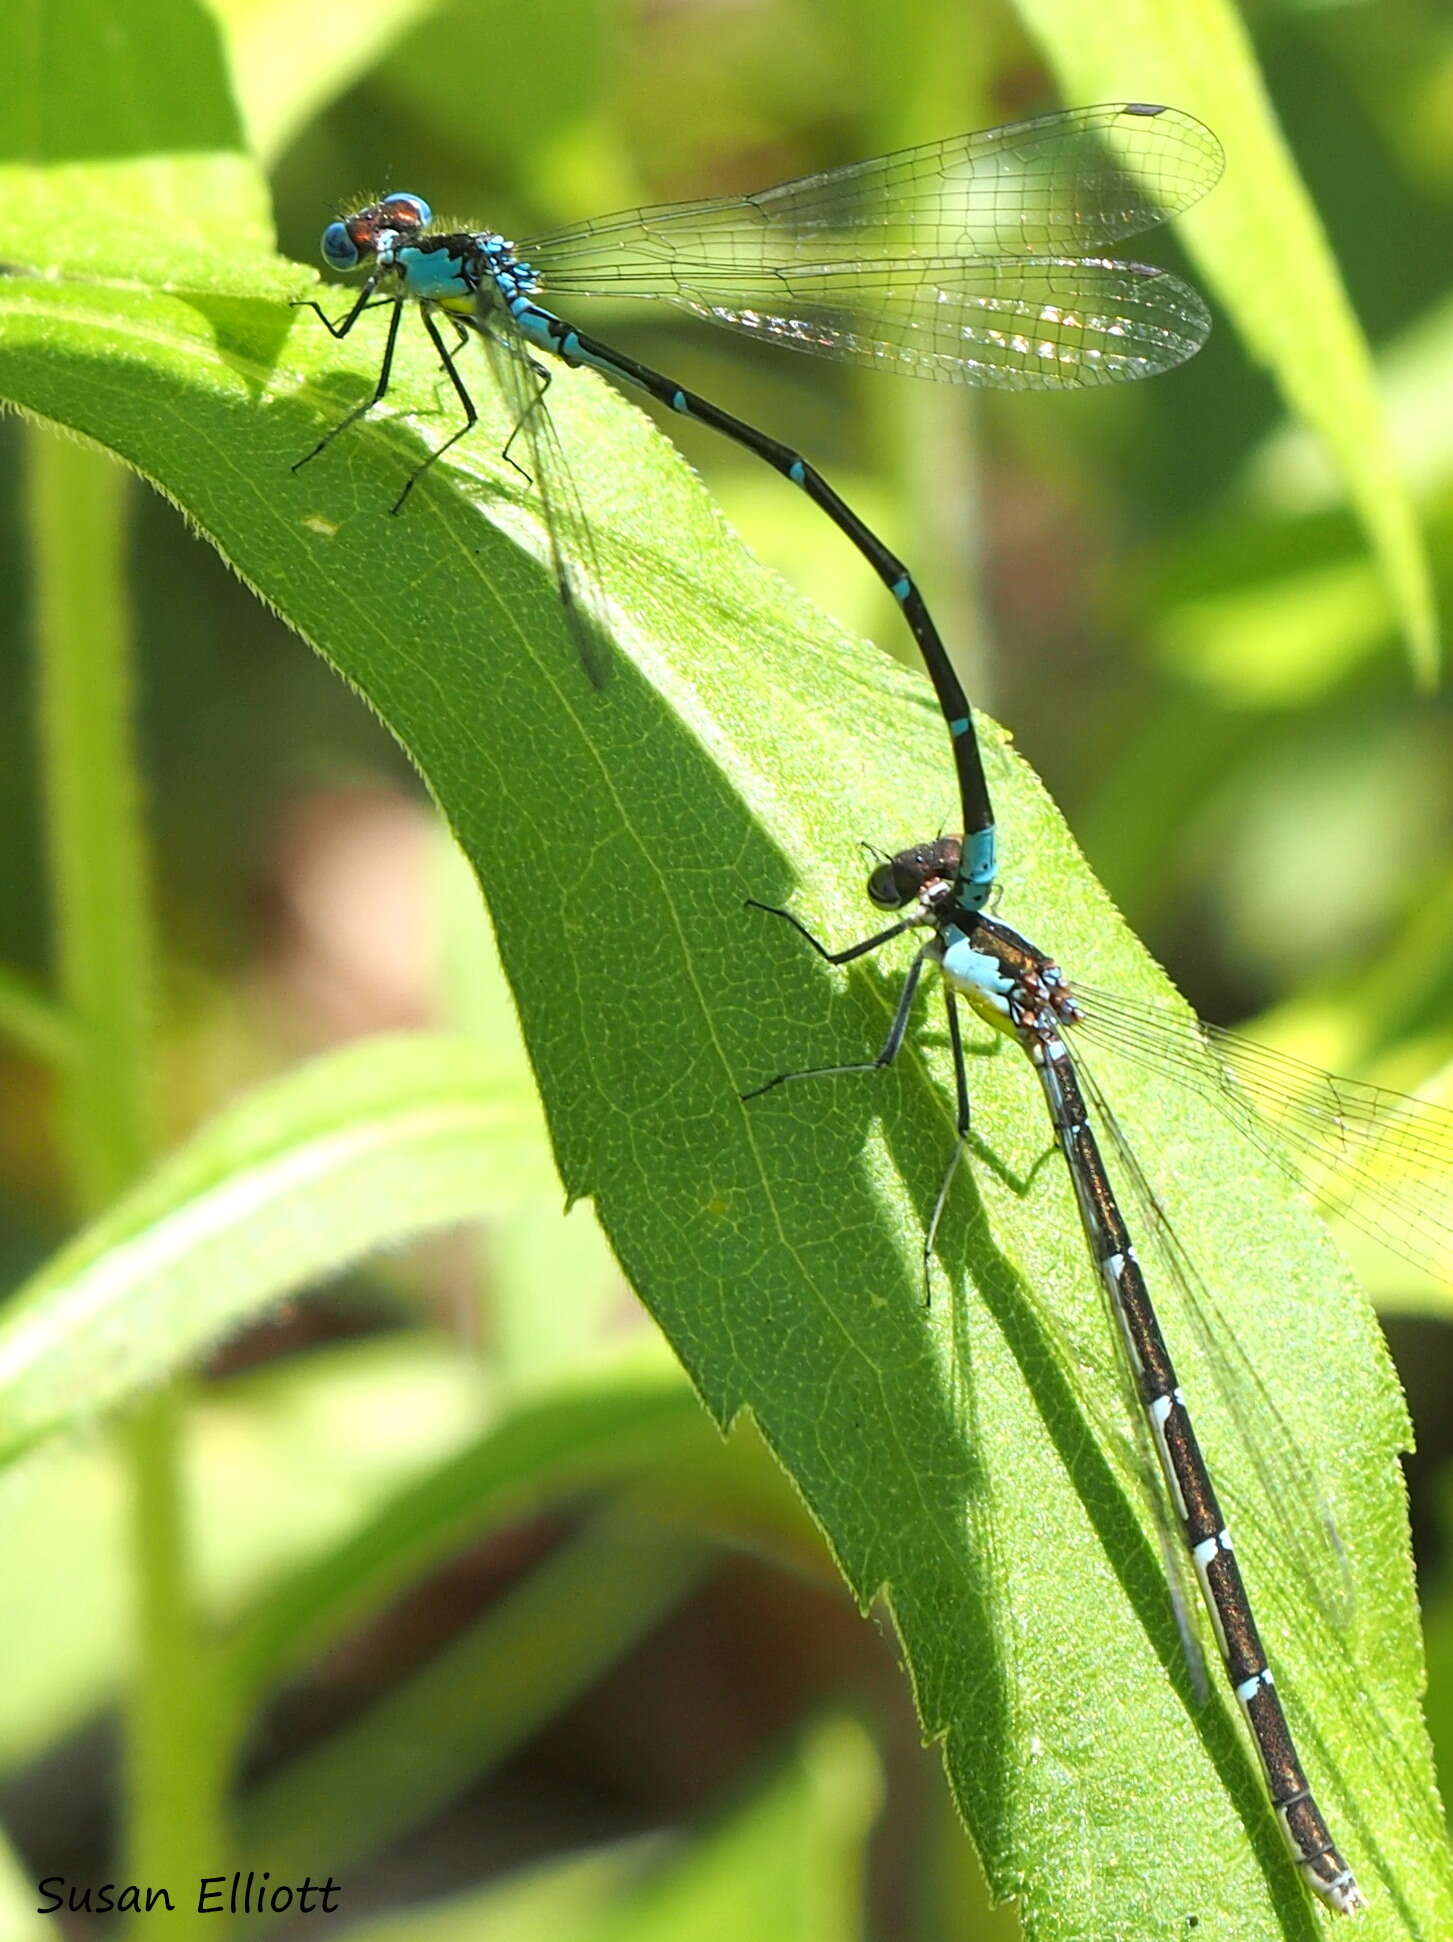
(1173, 608)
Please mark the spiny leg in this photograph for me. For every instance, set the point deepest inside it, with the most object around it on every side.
(345, 324)
(380, 390)
(961, 1136)
(536, 404)
(461, 392)
(892, 1044)
(835, 957)
(891, 1047)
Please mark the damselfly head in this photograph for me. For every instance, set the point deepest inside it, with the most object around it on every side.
(906, 876)
(355, 238)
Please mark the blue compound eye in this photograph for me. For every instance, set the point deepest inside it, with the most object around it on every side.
(339, 250)
(414, 207)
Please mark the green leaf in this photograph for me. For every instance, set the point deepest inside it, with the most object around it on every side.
(1439, 1629)
(65, 137)
(312, 1172)
(1290, 473)
(554, 1290)
(965, 1459)
(289, 61)
(1261, 245)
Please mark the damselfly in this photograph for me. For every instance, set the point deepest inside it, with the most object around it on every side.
(1377, 1158)
(974, 260)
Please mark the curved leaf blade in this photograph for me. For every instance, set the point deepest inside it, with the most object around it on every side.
(355, 1152)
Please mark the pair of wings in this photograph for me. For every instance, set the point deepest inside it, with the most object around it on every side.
(976, 260)
(969, 261)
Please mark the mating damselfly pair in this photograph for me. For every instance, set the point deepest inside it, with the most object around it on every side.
(971, 260)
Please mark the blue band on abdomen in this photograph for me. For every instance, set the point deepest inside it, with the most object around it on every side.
(977, 867)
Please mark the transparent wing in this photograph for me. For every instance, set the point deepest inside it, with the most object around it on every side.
(1377, 1158)
(1063, 184)
(1289, 1502)
(1032, 324)
(574, 558)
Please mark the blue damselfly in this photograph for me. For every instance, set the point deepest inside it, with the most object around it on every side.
(976, 260)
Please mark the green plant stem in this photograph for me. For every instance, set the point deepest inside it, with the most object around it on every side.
(105, 958)
(93, 817)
